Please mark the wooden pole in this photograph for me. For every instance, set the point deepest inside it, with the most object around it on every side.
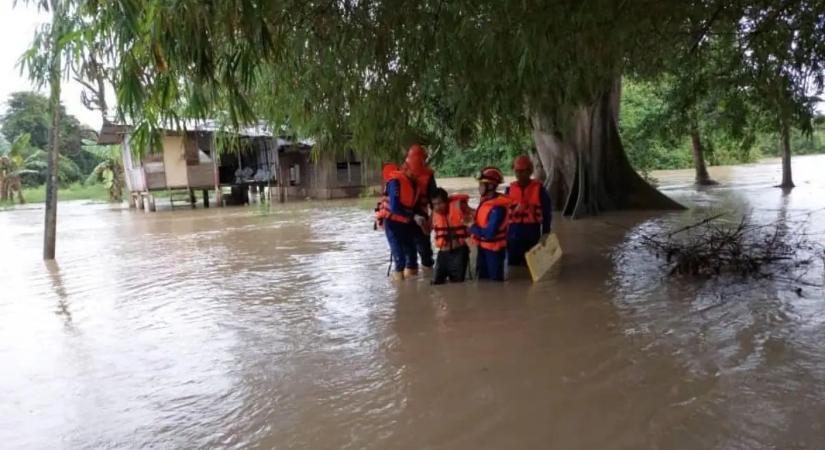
(216, 172)
(268, 170)
(50, 232)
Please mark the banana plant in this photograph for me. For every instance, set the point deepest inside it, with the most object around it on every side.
(110, 170)
(16, 161)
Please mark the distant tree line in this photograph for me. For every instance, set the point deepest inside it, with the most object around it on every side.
(655, 137)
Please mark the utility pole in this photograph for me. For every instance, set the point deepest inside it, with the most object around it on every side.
(50, 232)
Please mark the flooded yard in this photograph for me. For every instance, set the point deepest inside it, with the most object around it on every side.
(277, 328)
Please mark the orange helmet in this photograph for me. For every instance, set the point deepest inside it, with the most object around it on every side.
(491, 175)
(523, 162)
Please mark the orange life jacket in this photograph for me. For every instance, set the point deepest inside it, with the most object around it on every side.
(526, 203)
(449, 228)
(499, 241)
(407, 197)
(422, 181)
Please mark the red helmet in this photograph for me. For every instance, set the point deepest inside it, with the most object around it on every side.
(414, 165)
(523, 162)
(388, 170)
(416, 157)
(416, 151)
(491, 175)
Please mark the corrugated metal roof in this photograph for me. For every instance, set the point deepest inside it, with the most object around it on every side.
(114, 133)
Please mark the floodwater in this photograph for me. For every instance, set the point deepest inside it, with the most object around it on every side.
(256, 328)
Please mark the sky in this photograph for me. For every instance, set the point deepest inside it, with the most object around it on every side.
(17, 26)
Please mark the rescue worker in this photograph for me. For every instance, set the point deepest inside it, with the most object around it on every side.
(490, 226)
(530, 212)
(451, 213)
(395, 214)
(425, 188)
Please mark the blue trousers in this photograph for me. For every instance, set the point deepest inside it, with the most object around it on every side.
(424, 247)
(490, 264)
(401, 238)
(520, 239)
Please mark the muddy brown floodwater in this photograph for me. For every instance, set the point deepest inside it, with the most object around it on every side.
(248, 328)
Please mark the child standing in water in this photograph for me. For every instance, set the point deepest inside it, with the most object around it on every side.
(451, 213)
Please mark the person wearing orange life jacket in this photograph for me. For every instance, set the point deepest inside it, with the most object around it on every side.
(490, 226)
(530, 212)
(450, 217)
(425, 186)
(396, 215)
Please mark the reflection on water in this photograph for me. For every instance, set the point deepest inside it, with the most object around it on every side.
(239, 328)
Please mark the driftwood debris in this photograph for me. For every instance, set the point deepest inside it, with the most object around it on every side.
(780, 250)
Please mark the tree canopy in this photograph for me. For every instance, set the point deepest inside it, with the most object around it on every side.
(378, 74)
(27, 113)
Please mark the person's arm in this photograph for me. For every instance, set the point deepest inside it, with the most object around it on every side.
(546, 210)
(489, 232)
(394, 194)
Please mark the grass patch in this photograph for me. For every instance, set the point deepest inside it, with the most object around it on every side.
(75, 191)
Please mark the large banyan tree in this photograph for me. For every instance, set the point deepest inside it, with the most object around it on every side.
(374, 73)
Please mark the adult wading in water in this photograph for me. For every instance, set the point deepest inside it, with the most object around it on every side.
(425, 190)
(530, 212)
(490, 227)
(395, 214)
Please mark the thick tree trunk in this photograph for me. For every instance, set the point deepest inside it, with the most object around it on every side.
(587, 163)
(702, 176)
(787, 178)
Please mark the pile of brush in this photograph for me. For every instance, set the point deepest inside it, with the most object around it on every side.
(714, 246)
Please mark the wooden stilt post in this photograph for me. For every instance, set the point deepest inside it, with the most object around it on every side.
(152, 203)
(268, 188)
(206, 198)
(192, 199)
(215, 172)
(253, 193)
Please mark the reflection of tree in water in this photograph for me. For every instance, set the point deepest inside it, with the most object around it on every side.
(62, 296)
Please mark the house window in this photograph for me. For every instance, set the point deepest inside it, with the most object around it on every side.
(348, 170)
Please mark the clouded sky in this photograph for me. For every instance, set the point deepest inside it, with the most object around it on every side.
(17, 27)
